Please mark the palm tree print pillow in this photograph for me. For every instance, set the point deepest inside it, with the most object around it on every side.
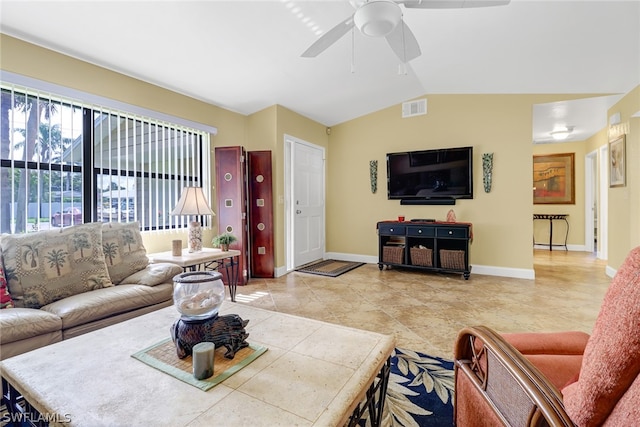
(5, 296)
(123, 249)
(50, 265)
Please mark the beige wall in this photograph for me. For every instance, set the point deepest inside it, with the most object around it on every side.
(624, 202)
(291, 124)
(502, 219)
(29, 60)
(266, 131)
(500, 124)
(576, 210)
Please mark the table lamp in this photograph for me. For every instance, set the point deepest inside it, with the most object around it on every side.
(193, 202)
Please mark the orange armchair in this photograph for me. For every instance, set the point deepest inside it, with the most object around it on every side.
(556, 379)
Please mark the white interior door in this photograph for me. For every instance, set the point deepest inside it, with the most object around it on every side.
(306, 202)
(590, 201)
(603, 199)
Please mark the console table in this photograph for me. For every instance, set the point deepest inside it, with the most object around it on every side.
(207, 259)
(551, 218)
(435, 246)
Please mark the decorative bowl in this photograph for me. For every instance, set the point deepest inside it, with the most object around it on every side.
(198, 295)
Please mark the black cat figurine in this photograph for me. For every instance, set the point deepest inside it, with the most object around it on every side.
(224, 331)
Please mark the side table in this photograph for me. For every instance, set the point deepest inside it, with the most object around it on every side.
(552, 217)
(206, 259)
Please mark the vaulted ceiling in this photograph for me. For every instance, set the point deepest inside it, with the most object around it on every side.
(246, 55)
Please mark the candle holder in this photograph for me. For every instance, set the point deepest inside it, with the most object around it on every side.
(203, 357)
(176, 247)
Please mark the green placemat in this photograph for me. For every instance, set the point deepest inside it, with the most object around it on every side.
(163, 357)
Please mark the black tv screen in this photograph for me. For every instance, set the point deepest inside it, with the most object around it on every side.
(431, 174)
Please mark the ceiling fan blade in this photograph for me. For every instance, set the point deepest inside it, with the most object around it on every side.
(404, 43)
(329, 38)
(450, 4)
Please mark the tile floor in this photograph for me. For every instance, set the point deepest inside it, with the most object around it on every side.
(425, 311)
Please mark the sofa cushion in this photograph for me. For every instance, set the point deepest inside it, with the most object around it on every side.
(91, 306)
(123, 249)
(611, 360)
(153, 274)
(53, 264)
(22, 323)
(5, 296)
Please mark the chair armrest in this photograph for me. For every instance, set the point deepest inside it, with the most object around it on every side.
(502, 383)
(558, 343)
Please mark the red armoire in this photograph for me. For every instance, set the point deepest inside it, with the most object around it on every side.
(231, 192)
(245, 208)
(261, 256)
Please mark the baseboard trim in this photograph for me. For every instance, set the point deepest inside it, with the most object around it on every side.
(369, 259)
(576, 248)
(280, 271)
(610, 271)
(516, 273)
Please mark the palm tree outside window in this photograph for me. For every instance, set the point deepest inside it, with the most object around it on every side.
(112, 166)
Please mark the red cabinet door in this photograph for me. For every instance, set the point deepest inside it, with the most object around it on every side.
(261, 255)
(231, 192)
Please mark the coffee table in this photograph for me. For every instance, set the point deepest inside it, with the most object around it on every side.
(313, 374)
(207, 259)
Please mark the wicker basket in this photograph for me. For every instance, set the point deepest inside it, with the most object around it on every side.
(393, 254)
(421, 256)
(451, 259)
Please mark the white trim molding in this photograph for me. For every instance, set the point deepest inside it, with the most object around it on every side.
(97, 100)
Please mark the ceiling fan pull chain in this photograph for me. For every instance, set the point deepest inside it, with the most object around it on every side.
(353, 51)
(402, 68)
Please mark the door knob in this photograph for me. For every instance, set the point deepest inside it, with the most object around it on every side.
(298, 211)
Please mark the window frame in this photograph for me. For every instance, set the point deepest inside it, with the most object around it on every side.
(90, 170)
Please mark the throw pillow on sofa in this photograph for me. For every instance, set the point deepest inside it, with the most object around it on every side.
(124, 251)
(5, 296)
(53, 264)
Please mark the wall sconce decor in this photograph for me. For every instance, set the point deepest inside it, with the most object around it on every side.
(373, 175)
(487, 171)
(617, 162)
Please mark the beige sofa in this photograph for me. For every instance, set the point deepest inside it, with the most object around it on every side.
(70, 281)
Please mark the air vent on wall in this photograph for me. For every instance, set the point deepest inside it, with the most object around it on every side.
(414, 108)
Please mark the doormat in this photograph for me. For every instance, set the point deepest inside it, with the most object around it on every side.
(329, 267)
(163, 357)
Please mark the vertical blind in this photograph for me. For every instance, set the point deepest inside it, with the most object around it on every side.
(65, 162)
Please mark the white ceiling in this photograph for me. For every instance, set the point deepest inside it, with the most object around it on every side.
(245, 55)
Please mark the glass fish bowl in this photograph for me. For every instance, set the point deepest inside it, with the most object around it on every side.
(198, 295)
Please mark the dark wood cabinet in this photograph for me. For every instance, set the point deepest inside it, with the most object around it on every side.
(429, 246)
(261, 256)
(231, 192)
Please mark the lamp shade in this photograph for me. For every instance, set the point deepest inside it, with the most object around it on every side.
(192, 202)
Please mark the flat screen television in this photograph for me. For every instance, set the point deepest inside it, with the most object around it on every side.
(430, 174)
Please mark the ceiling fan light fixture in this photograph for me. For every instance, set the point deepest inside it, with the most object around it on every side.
(377, 18)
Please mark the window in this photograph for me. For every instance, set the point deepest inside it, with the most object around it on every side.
(63, 162)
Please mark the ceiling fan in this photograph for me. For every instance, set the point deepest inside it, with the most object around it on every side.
(383, 18)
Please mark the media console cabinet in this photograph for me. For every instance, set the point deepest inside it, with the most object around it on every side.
(432, 246)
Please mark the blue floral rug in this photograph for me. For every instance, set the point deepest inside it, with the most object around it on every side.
(420, 391)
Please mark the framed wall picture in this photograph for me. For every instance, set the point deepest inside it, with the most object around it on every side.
(554, 179)
(617, 162)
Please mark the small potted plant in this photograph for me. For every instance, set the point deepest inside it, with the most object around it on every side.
(223, 241)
